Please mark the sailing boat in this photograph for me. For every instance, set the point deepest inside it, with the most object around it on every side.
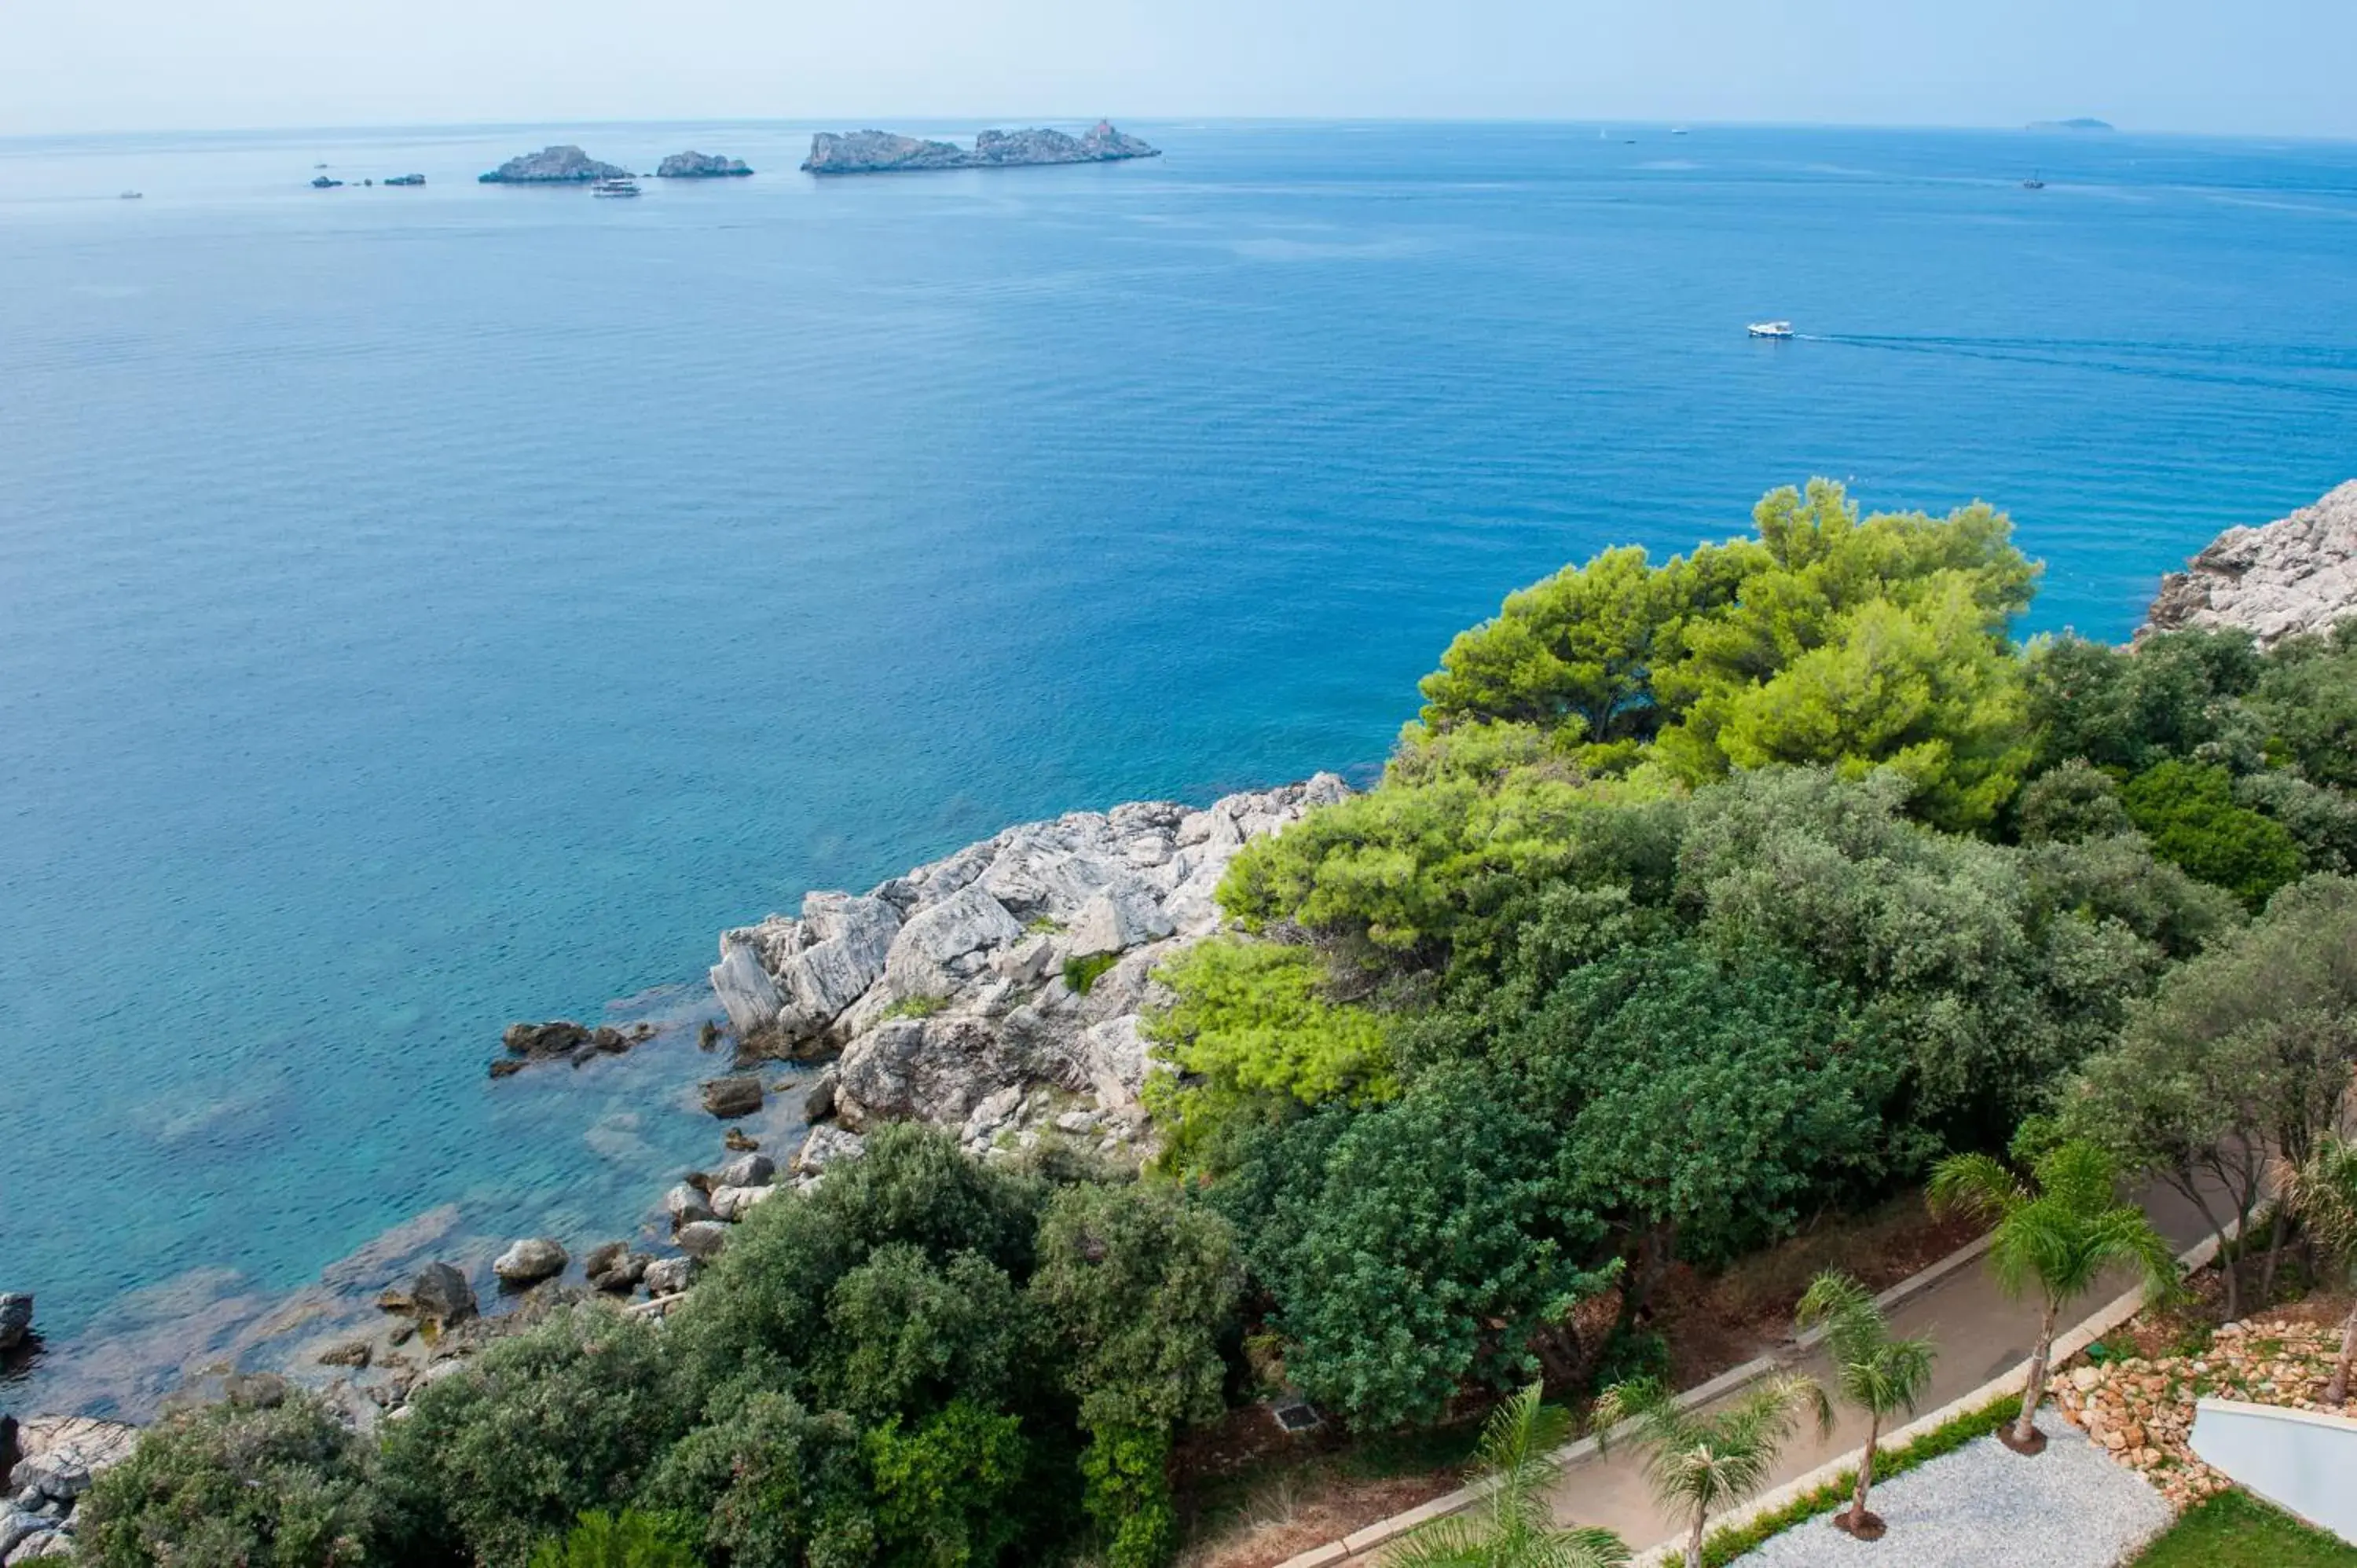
(2033, 182)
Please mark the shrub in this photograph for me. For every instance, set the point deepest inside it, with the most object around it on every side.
(943, 1490)
(1414, 1246)
(280, 1488)
(1126, 1470)
(753, 1314)
(2187, 810)
(773, 1484)
(1081, 975)
(561, 1420)
(906, 1336)
(627, 1540)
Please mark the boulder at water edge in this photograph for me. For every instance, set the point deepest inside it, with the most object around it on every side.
(530, 1261)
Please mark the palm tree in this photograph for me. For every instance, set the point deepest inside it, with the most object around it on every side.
(2322, 1191)
(2054, 1233)
(1511, 1526)
(1878, 1374)
(1700, 1461)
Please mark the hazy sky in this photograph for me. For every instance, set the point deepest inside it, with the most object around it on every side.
(2263, 66)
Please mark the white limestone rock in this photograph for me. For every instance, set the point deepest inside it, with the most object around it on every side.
(733, 1203)
(1137, 881)
(826, 1146)
(2297, 575)
(531, 1261)
(944, 945)
(746, 991)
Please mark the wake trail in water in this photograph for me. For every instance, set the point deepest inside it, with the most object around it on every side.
(2323, 373)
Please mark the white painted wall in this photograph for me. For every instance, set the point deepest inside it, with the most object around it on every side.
(2296, 1459)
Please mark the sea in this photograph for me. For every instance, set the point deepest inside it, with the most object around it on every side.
(423, 608)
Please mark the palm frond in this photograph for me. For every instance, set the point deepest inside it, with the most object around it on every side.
(1511, 1525)
(2322, 1192)
(1975, 1185)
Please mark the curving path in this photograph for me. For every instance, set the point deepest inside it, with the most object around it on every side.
(1981, 1334)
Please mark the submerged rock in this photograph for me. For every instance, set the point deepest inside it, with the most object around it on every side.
(553, 166)
(440, 1295)
(2294, 576)
(731, 1097)
(700, 166)
(882, 152)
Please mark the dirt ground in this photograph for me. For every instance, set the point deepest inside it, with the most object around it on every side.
(1251, 1496)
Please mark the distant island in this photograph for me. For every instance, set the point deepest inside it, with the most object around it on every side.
(700, 166)
(553, 166)
(2082, 123)
(882, 152)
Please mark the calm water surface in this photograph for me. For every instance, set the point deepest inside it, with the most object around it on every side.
(424, 608)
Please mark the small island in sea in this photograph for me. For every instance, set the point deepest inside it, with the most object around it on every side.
(882, 152)
(701, 166)
(553, 166)
(2079, 123)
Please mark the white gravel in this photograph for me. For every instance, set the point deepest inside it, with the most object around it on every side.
(1985, 1506)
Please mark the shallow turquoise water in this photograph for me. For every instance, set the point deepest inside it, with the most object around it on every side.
(424, 608)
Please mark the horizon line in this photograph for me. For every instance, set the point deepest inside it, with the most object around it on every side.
(2055, 126)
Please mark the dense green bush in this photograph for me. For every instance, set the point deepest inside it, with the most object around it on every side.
(1129, 1495)
(751, 1317)
(228, 1487)
(2187, 810)
(627, 1540)
(563, 1419)
(772, 1485)
(1415, 1246)
(945, 1490)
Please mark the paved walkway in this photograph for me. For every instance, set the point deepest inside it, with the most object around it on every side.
(1980, 1334)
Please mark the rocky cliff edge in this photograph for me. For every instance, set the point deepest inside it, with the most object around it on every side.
(1001, 987)
(2293, 575)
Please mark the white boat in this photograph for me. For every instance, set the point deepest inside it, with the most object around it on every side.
(1771, 329)
(614, 188)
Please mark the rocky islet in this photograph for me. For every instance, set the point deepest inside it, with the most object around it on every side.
(884, 152)
(562, 164)
(701, 166)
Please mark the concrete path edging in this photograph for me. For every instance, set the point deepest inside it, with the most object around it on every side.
(1358, 1543)
(2103, 1321)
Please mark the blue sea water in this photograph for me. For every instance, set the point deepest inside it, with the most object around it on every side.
(427, 609)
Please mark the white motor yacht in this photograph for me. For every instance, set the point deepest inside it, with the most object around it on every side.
(1771, 329)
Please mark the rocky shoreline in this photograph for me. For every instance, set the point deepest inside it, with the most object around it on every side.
(882, 152)
(997, 993)
(2292, 577)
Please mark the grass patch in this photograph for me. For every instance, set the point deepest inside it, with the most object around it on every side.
(1726, 1545)
(1041, 926)
(1081, 973)
(2234, 1530)
(913, 1007)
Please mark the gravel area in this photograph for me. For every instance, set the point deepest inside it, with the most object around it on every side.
(1985, 1506)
